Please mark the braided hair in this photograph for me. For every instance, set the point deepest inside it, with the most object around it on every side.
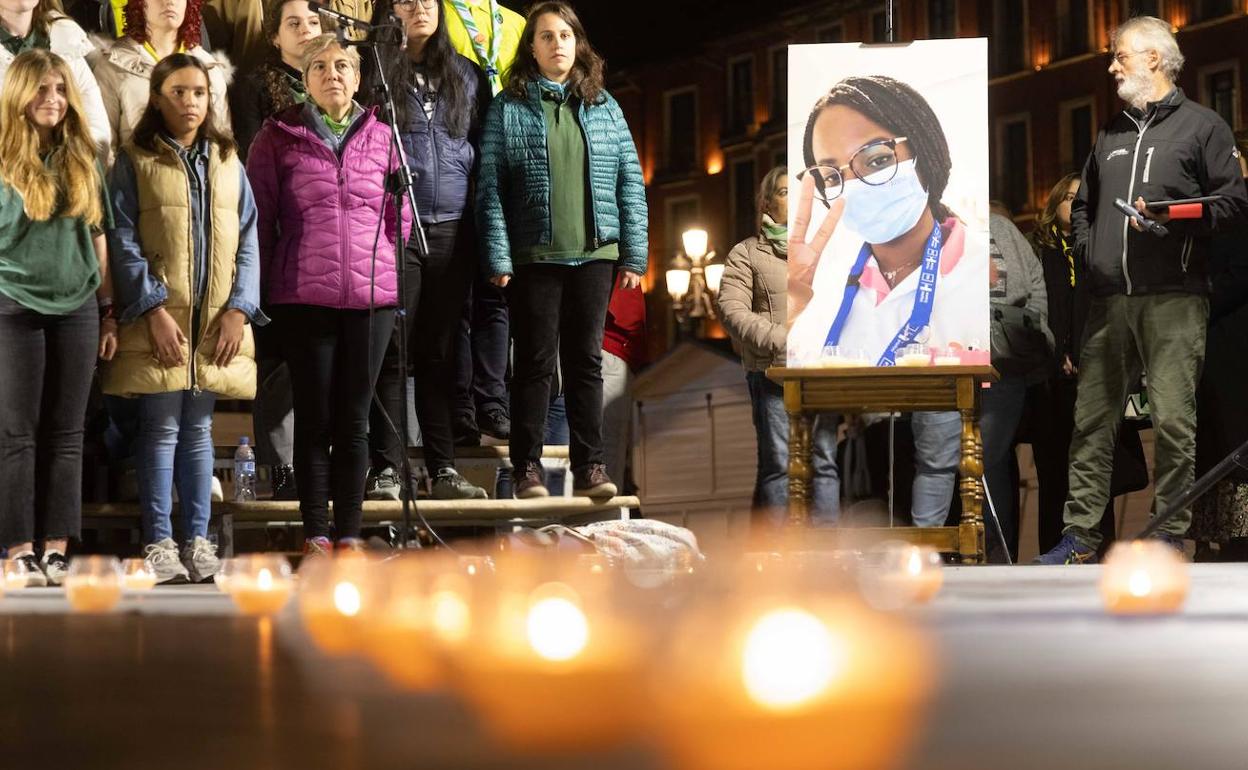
(900, 109)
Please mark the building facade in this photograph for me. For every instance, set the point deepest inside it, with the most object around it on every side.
(709, 121)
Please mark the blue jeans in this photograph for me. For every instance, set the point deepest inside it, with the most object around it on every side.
(174, 446)
(771, 426)
(937, 451)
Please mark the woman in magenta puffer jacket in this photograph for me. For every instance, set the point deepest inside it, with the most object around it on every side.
(319, 173)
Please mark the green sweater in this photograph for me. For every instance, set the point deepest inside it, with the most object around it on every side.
(49, 267)
(569, 194)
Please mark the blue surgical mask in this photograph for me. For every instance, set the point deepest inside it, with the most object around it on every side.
(885, 212)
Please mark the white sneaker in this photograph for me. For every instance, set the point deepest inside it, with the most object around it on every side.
(200, 560)
(162, 559)
(54, 566)
(217, 494)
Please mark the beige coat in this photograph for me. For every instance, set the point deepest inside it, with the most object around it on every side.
(164, 230)
(753, 302)
(124, 71)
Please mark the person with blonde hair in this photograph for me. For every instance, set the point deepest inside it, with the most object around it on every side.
(56, 313)
(43, 25)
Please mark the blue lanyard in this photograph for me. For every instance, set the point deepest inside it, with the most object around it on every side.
(924, 295)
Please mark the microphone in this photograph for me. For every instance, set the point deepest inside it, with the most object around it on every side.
(341, 18)
(394, 19)
(1133, 213)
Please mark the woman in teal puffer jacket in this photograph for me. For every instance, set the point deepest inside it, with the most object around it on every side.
(561, 208)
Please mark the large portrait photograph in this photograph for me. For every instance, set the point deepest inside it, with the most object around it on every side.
(889, 204)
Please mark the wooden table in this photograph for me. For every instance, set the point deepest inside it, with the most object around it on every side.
(894, 389)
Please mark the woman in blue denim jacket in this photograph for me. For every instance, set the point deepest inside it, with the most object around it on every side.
(184, 257)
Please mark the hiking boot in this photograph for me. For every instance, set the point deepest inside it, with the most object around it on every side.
(449, 485)
(55, 567)
(1068, 551)
(529, 482)
(162, 559)
(283, 481)
(382, 485)
(200, 560)
(593, 481)
(495, 422)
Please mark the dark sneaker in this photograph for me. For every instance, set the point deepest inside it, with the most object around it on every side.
(495, 422)
(200, 560)
(1068, 551)
(162, 559)
(318, 546)
(34, 573)
(529, 483)
(283, 478)
(592, 481)
(382, 485)
(55, 567)
(449, 485)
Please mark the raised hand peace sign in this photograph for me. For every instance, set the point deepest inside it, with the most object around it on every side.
(804, 256)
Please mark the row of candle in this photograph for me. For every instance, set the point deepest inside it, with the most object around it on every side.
(836, 357)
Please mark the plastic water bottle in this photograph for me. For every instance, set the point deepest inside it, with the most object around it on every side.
(244, 471)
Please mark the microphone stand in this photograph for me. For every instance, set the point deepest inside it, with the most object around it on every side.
(404, 187)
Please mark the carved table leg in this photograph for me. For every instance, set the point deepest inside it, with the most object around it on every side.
(801, 471)
(971, 467)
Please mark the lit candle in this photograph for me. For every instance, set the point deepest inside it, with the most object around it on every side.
(333, 597)
(1144, 577)
(789, 683)
(554, 668)
(137, 575)
(899, 574)
(93, 583)
(913, 355)
(421, 609)
(261, 584)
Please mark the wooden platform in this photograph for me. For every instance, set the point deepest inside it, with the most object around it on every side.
(495, 513)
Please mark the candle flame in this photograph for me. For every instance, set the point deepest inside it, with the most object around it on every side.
(914, 565)
(1139, 584)
(472, 569)
(347, 599)
(791, 658)
(451, 617)
(264, 579)
(558, 629)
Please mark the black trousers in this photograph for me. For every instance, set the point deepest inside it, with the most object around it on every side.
(45, 381)
(484, 335)
(1052, 421)
(558, 312)
(435, 291)
(334, 357)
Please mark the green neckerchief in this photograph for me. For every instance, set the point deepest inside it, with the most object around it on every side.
(17, 45)
(777, 235)
(338, 128)
(490, 58)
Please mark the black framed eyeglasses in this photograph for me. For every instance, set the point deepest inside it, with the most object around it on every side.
(409, 4)
(874, 163)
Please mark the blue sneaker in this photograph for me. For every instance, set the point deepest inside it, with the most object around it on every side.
(1068, 551)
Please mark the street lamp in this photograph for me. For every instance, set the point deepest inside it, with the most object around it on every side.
(693, 278)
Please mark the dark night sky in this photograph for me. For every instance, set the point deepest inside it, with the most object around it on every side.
(627, 30)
